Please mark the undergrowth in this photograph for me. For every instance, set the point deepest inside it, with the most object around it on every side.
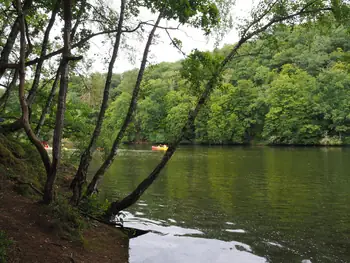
(94, 207)
(67, 222)
(4, 245)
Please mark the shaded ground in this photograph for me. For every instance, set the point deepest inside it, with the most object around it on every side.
(26, 223)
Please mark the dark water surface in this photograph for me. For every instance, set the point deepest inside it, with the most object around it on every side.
(237, 204)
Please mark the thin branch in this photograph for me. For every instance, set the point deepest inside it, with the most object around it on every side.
(78, 20)
(84, 40)
(161, 27)
(174, 43)
(30, 45)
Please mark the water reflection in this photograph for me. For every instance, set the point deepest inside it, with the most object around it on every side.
(170, 244)
(287, 204)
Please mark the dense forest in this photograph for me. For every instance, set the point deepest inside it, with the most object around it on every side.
(284, 81)
(290, 86)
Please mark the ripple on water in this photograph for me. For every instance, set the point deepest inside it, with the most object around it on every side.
(276, 245)
(235, 230)
(158, 249)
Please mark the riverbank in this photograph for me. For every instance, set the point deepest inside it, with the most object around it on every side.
(31, 231)
(255, 143)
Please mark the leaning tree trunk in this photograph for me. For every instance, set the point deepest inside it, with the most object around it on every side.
(6, 51)
(101, 171)
(24, 107)
(134, 196)
(80, 177)
(61, 105)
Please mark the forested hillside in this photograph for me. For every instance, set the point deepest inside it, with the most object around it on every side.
(290, 86)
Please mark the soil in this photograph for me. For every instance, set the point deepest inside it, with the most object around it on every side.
(25, 222)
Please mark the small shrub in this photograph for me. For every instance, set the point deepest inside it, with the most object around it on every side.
(4, 245)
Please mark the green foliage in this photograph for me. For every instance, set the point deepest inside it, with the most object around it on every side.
(294, 91)
(289, 86)
(93, 206)
(233, 113)
(199, 67)
(199, 13)
(4, 245)
(292, 108)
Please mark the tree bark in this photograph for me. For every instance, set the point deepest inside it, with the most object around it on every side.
(46, 109)
(24, 107)
(6, 51)
(101, 171)
(80, 177)
(61, 105)
(32, 91)
(134, 196)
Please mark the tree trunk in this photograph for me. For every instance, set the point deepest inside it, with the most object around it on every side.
(6, 51)
(101, 171)
(46, 109)
(80, 177)
(32, 91)
(24, 107)
(61, 105)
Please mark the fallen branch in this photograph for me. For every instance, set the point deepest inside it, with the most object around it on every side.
(30, 185)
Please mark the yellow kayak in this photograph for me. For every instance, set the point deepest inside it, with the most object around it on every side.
(160, 148)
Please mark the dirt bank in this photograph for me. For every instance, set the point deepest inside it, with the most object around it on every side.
(29, 226)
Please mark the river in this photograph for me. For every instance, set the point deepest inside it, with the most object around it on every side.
(237, 204)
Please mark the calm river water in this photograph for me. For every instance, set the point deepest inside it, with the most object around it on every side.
(237, 204)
